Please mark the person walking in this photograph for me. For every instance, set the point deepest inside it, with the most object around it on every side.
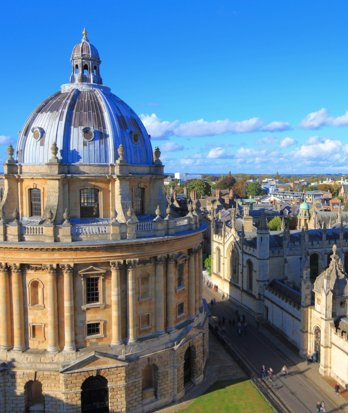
(322, 407)
(318, 407)
(337, 388)
(270, 374)
(284, 371)
(263, 371)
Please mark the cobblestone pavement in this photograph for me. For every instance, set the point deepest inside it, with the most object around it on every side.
(302, 388)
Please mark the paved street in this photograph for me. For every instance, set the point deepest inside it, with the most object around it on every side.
(302, 388)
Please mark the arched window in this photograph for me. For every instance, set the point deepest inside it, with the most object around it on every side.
(189, 364)
(314, 266)
(95, 395)
(139, 201)
(150, 381)
(33, 397)
(218, 260)
(180, 275)
(249, 275)
(85, 69)
(89, 203)
(235, 266)
(35, 293)
(346, 262)
(76, 69)
(34, 202)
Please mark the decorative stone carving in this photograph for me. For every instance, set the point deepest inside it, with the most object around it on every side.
(54, 152)
(66, 216)
(156, 156)
(10, 152)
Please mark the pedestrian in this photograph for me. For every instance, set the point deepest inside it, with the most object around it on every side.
(318, 407)
(284, 370)
(270, 374)
(322, 407)
(337, 388)
(263, 371)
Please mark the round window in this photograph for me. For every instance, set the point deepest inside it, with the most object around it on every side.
(88, 133)
(38, 133)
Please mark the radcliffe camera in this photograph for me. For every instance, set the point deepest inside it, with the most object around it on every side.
(186, 251)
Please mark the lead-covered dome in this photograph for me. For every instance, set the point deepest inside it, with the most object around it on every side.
(85, 120)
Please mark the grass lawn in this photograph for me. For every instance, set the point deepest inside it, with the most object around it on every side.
(236, 397)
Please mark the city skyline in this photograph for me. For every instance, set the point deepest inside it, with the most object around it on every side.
(234, 86)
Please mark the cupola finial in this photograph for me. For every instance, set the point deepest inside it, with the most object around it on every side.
(84, 34)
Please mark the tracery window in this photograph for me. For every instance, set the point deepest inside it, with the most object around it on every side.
(89, 203)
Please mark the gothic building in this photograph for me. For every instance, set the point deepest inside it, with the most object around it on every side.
(294, 280)
(100, 286)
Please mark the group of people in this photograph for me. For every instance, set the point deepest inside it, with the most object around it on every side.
(321, 407)
(269, 372)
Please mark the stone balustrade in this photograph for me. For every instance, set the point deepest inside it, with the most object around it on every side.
(96, 231)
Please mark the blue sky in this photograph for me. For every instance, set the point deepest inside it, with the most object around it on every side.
(243, 86)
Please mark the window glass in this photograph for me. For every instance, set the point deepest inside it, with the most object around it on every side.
(93, 329)
(92, 290)
(89, 203)
(35, 202)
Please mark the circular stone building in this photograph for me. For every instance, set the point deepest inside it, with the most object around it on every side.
(100, 285)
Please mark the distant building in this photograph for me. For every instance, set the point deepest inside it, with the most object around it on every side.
(184, 177)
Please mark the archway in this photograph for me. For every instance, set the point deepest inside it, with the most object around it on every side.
(189, 360)
(317, 342)
(95, 395)
(34, 399)
(314, 266)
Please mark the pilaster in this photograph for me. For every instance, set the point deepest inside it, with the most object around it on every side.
(69, 324)
(52, 335)
(116, 330)
(17, 308)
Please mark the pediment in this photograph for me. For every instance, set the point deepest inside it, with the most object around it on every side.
(91, 270)
(92, 361)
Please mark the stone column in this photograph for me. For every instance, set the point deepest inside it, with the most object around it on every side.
(192, 289)
(200, 276)
(18, 308)
(5, 342)
(160, 293)
(131, 300)
(52, 334)
(171, 292)
(197, 297)
(116, 313)
(69, 324)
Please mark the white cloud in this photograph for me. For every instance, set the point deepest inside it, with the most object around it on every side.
(217, 152)
(158, 129)
(320, 118)
(5, 140)
(287, 141)
(171, 146)
(276, 126)
(327, 149)
(267, 140)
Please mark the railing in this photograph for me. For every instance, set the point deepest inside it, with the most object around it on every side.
(81, 232)
(32, 230)
(145, 226)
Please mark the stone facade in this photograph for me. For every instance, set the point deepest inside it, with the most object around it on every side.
(100, 291)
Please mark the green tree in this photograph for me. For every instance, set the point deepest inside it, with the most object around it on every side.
(207, 264)
(254, 189)
(200, 186)
(226, 182)
(275, 224)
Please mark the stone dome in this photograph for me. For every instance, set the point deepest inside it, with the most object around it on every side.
(85, 120)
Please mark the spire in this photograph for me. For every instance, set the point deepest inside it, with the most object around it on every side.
(84, 34)
(263, 224)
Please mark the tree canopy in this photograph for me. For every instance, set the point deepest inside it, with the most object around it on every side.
(226, 182)
(201, 186)
(275, 224)
(254, 189)
(239, 189)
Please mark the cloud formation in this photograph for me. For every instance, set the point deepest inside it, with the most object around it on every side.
(171, 146)
(5, 140)
(287, 141)
(320, 118)
(159, 129)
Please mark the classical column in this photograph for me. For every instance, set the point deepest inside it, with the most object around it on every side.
(52, 334)
(18, 309)
(200, 276)
(171, 292)
(131, 300)
(192, 289)
(160, 293)
(5, 342)
(197, 270)
(69, 324)
(116, 314)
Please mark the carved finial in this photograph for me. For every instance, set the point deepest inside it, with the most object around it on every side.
(282, 228)
(66, 216)
(54, 152)
(157, 155)
(114, 216)
(334, 250)
(158, 211)
(84, 34)
(49, 215)
(15, 215)
(10, 152)
(120, 152)
(168, 211)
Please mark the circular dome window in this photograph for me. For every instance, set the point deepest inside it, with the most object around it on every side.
(88, 133)
(134, 137)
(38, 133)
